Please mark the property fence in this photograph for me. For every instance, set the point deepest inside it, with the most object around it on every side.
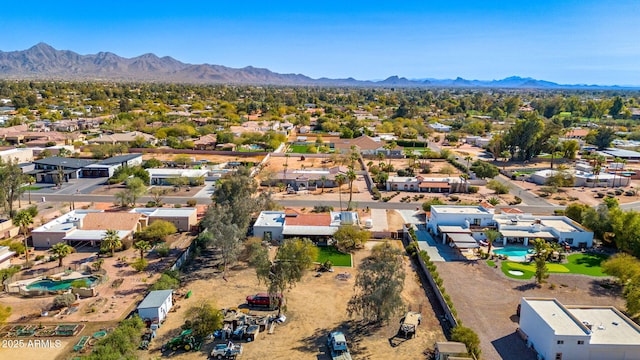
(407, 239)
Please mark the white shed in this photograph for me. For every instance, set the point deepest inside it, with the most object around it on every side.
(156, 305)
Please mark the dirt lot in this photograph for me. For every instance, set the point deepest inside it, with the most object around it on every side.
(486, 301)
(171, 191)
(316, 306)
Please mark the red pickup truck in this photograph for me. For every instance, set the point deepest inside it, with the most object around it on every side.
(263, 299)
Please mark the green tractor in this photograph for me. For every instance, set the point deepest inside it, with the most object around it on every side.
(185, 341)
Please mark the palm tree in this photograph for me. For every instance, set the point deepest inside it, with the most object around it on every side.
(30, 179)
(505, 155)
(143, 246)
(340, 179)
(492, 235)
(553, 145)
(61, 250)
(468, 158)
(351, 176)
(323, 178)
(111, 241)
(22, 220)
(390, 146)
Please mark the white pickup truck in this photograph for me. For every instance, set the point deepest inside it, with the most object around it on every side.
(226, 351)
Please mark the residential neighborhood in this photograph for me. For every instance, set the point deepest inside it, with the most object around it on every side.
(131, 219)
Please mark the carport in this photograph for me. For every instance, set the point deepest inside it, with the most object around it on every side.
(463, 241)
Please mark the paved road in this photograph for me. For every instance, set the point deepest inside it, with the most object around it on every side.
(37, 197)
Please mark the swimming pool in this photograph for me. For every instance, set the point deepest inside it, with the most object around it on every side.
(514, 252)
(53, 285)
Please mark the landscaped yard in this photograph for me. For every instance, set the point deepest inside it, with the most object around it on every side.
(331, 253)
(298, 149)
(584, 264)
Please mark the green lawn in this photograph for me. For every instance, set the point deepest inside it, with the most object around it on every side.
(587, 264)
(298, 149)
(584, 264)
(32, 188)
(331, 253)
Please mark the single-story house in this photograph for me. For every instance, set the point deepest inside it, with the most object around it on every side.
(86, 227)
(124, 138)
(277, 225)
(304, 179)
(163, 176)
(440, 127)
(49, 170)
(156, 305)
(425, 184)
(107, 167)
(205, 142)
(365, 145)
(183, 218)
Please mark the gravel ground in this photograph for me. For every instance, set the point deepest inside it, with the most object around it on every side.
(486, 301)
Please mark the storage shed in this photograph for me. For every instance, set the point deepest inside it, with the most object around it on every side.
(156, 305)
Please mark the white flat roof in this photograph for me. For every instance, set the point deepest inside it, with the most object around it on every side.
(165, 212)
(270, 218)
(608, 326)
(457, 209)
(93, 235)
(309, 230)
(557, 317)
(454, 229)
(163, 172)
(527, 234)
(65, 222)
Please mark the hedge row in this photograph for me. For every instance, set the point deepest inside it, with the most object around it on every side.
(413, 250)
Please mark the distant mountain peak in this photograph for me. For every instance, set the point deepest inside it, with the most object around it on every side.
(42, 61)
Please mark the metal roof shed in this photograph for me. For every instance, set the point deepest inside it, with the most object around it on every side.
(156, 305)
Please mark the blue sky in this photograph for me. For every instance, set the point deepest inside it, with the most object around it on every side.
(570, 42)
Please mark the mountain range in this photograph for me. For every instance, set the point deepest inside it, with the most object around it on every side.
(44, 62)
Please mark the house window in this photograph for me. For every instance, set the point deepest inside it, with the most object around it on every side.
(558, 356)
(580, 342)
(569, 241)
(560, 342)
(476, 222)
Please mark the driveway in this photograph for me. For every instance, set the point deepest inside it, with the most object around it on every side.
(437, 251)
(486, 301)
(74, 186)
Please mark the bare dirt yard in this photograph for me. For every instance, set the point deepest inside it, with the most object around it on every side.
(486, 301)
(315, 306)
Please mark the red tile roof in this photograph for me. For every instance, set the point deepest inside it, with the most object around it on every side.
(308, 220)
(512, 211)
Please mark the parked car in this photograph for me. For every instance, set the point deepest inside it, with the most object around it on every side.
(263, 299)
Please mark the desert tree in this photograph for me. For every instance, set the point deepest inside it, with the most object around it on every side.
(204, 319)
(294, 257)
(379, 284)
(221, 233)
(350, 237)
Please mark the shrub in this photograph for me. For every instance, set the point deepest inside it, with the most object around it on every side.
(322, 209)
(192, 203)
(177, 206)
(498, 187)
(80, 283)
(474, 189)
(376, 194)
(140, 264)
(63, 300)
(167, 281)
(454, 197)
(163, 250)
(468, 337)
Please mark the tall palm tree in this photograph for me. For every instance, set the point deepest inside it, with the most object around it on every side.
(553, 146)
(111, 241)
(351, 176)
(340, 179)
(468, 158)
(143, 246)
(492, 235)
(323, 178)
(61, 250)
(30, 179)
(22, 220)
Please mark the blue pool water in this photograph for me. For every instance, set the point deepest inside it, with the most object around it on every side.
(513, 251)
(52, 285)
